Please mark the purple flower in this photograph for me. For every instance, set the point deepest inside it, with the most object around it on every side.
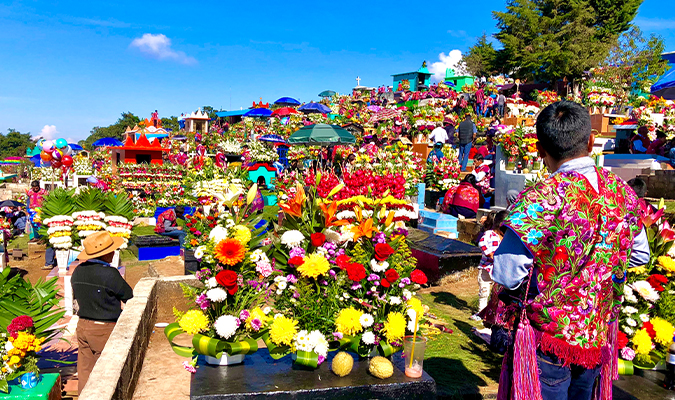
(401, 231)
(256, 324)
(296, 295)
(253, 283)
(297, 252)
(198, 233)
(337, 335)
(189, 367)
(373, 277)
(291, 279)
(203, 301)
(379, 238)
(627, 354)
(325, 283)
(401, 285)
(356, 286)
(320, 360)
(244, 314)
(331, 273)
(405, 281)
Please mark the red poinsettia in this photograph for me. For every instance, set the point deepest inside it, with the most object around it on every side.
(418, 277)
(383, 251)
(317, 239)
(657, 281)
(356, 272)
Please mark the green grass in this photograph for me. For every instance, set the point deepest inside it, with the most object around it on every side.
(461, 364)
(670, 206)
(19, 243)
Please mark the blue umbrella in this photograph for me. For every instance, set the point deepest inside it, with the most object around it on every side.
(287, 101)
(259, 112)
(315, 108)
(36, 160)
(107, 142)
(75, 147)
(272, 138)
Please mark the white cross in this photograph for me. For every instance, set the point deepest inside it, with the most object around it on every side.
(358, 81)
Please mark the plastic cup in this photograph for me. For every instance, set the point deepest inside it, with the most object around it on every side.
(414, 369)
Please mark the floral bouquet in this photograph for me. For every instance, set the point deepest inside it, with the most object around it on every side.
(18, 350)
(88, 222)
(259, 152)
(119, 227)
(60, 227)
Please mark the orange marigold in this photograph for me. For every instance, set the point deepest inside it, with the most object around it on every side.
(230, 251)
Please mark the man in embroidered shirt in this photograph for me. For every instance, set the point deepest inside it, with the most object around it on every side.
(575, 233)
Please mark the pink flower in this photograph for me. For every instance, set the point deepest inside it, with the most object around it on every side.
(627, 354)
(264, 268)
(189, 367)
(256, 324)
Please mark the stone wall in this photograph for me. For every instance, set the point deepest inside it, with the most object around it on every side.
(660, 184)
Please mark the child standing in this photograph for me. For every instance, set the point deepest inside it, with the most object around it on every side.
(488, 244)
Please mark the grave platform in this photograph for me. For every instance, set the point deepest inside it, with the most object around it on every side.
(261, 377)
(439, 256)
(644, 385)
(155, 247)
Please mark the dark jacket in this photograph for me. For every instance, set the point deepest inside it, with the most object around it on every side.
(99, 290)
(465, 132)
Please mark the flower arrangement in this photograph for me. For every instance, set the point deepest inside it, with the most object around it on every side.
(442, 175)
(82, 165)
(119, 227)
(546, 97)
(18, 350)
(88, 222)
(259, 152)
(518, 143)
(60, 230)
(230, 146)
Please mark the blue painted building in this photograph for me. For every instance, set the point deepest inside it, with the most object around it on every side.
(419, 80)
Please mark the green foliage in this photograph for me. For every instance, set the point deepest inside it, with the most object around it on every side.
(665, 307)
(39, 301)
(15, 143)
(58, 202)
(115, 130)
(170, 123)
(90, 199)
(481, 58)
(546, 40)
(118, 204)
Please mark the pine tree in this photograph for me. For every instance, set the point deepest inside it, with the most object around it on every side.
(481, 58)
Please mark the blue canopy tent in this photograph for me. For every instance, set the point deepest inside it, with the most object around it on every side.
(315, 108)
(235, 113)
(665, 87)
(75, 147)
(107, 142)
(287, 102)
(259, 112)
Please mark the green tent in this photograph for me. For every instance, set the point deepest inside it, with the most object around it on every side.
(322, 134)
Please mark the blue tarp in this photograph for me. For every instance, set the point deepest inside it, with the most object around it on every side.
(665, 87)
(235, 113)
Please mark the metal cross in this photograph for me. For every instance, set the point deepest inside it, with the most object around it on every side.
(358, 81)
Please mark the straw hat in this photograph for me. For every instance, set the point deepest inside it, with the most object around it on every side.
(99, 244)
(405, 140)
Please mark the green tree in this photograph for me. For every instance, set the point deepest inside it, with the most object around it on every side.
(210, 110)
(634, 62)
(481, 58)
(115, 130)
(546, 40)
(15, 143)
(170, 123)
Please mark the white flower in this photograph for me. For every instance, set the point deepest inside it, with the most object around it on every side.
(407, 294)
(292, 238)
(211, 283)
(629, 295)
(411, 314)
(366, 320)
(368, 338)
(199, 252)
(628, 331)
(644, 317)
(278, 315)
(218, 234)
(282, 285)
(629, 310)
(8, 346)
(394, 300)
(346, 295)
(280, 278)
(411, 325)
(373, 289)
(226, 326)
(631, 322)
(646, 291)
(267, 310)
(216, 295)
(332, 236)
(378, 267)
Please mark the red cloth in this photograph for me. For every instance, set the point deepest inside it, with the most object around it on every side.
(168, 215)
(466, 196)
(656, 147)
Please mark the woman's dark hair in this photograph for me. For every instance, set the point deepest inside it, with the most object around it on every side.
(351, 157)
(262, 184)
(563, 129)
(35, 184)
(639, 186)
(471, 178)
(180, 210)
(499, 219)
(478, 157)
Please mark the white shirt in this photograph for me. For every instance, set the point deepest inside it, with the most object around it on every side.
(438, 135)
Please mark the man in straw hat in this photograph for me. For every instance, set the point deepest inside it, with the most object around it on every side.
(99, 290)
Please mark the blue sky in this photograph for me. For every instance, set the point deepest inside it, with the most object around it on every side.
(66, 67)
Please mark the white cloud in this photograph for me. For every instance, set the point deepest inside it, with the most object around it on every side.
(49, 132)
(159, 47)
(451, 60)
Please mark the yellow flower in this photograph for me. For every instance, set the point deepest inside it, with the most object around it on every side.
(283, 330)
(664, 331)
(667, 264)
(415, 304)
(314, 265)
(642, 343)
(637, 270)
(348, 321)
(242, 234)
(193, 322)
(259, 314)
(394, 327)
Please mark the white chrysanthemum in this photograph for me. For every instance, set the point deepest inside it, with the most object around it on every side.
(628, 294)
(278, 315)
(644, 317)
(216, 295)
(211, 283)
(366, 320)
(411, 325)
(218, 234)
(282, 285)
(267, 310)
(378, 267)
(332, 236)
(8, 346)
(407, 294)
(319, 342)
(631, 322)
(292, 238)
(629, 310)
(199, 252)
(368, 338)
(226, 326)
(302, 337)
(628, 331)
(646, 291)
(394, 300)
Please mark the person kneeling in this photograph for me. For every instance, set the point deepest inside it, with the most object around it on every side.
(466, 199)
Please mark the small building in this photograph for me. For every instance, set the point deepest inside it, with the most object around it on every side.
(457, 82)
(198, 121)
(142, 151)
(419, 80)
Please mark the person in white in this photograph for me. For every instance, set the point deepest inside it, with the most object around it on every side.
(438, 135)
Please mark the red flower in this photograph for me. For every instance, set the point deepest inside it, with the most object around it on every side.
(418, 277)
(391, 275)
(19, 324)
(657, 281)
(649, 328)
(560, 254)
(385, 283)
(383, 251)
(622, 340)
(228, 279)
(210, 218)
(317, 239)
(548, 273)
(297, 261)
(342, 261)
(193, 230)
(356, 272)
